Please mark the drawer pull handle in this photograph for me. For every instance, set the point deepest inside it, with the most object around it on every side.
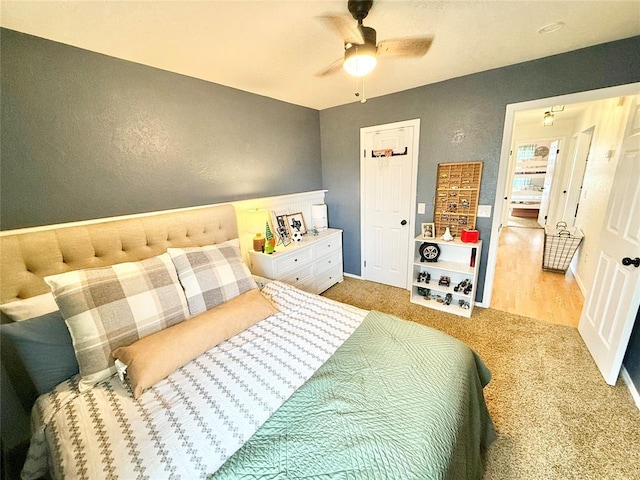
(295, 259)
(329, 261)
(297, 278)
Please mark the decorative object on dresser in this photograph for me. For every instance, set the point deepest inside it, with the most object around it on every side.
(270, 245)
(453, 267)
(456, 200)
(295, 223)
(319, 220)
(258, 242)
(313, 264)
(282, 230)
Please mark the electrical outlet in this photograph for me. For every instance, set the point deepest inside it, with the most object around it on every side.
(484, 211)
(421, 208)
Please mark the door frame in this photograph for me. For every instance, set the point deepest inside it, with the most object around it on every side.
(507, 134)
(415, 123)
(508, 190)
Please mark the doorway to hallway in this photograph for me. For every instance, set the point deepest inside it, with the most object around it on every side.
(521, 286)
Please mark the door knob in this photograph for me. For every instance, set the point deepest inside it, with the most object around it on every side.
(626, 261)
(403, 222)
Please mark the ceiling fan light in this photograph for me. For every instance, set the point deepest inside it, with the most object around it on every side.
(360, 59)
(548, 119)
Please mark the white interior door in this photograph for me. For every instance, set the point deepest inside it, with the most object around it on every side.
(579, 167)
(388, 172)
(548, 181)
(612, 304)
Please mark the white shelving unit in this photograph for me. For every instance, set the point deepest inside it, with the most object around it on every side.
(455, 262)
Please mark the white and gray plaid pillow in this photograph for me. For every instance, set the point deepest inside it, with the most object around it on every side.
(106, 308)
(211, 275)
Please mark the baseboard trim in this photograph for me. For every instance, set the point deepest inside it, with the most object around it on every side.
(352, 275)
(581, 285)
(630, 385)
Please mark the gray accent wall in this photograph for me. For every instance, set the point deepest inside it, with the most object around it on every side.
(87, 136)
(474, 105)
(632, 356)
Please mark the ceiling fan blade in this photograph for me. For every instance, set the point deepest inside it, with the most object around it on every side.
(348, 30)
(404, 47)
(331, 69)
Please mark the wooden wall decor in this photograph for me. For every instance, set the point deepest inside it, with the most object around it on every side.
(456, 200)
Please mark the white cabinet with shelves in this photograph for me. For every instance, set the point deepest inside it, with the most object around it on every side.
(313, 265)
(455, 262)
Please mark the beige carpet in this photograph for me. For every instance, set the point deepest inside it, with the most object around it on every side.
(556, 417)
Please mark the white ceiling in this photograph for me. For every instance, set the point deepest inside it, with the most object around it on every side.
(275, 48)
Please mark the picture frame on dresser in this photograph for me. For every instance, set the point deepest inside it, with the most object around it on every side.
(295, 223)
(282, 229)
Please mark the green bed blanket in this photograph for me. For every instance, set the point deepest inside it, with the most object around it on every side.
(397, 400)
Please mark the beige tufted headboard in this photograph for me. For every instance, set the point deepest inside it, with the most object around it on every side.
(26, 258)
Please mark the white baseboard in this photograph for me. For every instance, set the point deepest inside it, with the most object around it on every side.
(352, 275)
(579, 281)
(632, 388)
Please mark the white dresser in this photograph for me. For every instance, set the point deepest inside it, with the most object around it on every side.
(313, 265)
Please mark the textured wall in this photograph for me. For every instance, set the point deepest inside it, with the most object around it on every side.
(85, 136)
(474, 105)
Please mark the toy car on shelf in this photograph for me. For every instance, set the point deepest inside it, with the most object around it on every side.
(465, 287)
(424, 277)
(444, 281)
(447, 299)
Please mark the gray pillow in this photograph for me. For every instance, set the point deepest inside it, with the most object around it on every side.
(37, 354)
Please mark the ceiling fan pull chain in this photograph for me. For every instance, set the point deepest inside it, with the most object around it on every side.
(364, 97)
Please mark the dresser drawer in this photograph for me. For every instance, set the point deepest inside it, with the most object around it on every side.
(327, 245)
(328, 261)
(307, 284)
(293, 260)
(328, 277)
(295, 275)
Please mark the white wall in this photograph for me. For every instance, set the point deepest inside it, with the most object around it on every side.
(609, 118)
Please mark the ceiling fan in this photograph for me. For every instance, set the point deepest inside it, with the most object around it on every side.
(360, 47)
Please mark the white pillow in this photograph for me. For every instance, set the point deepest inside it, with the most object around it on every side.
(29, 307)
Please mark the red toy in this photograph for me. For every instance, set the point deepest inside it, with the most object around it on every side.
(470, 236)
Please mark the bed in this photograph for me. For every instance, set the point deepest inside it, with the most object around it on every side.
(235, 380)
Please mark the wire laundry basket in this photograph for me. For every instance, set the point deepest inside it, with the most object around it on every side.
(560, 245)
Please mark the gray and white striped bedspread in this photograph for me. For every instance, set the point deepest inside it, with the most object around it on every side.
(189, 424)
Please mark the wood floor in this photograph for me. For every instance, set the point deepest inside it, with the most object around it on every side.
(522, 287)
